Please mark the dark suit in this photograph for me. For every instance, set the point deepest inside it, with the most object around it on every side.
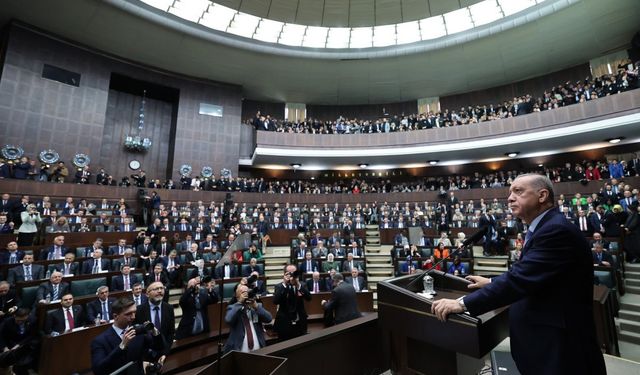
(362, 283)
(304, 269)
(46, 290)
(117, 282)
(94, 308)
(87, 265)
(7, 302)
(322, 285)
(167, 320)
(106, 356)
(73, 268)
(164, 279)
(17, 273)
(550, 291)
(290, 310)
(219, 271)
(55, 321)
(603, 257)
(189, 311)
(237, 329)
(117, 263)
(47, 252)
(6, 256)
(343, 303)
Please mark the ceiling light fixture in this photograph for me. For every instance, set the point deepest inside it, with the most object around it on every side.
(363, 165)
(295, 165)
(614, 140)
(433, 162)
(512, 154)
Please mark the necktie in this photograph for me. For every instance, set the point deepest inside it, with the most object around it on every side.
(137, 301)
(156, 318)
(70, 319)
(126, 283)
(12, 258)
(55, 293)
(309, 266)
(27, 274)
(56, 253)
(157, 277)
(247, 326)
(66, 269)
(315, 287)
(355, 284)
(105, 312)
(527, 236)
(121, 250)
(95, 266)
(164, 250)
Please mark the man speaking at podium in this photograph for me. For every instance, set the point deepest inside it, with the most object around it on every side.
(550, 289)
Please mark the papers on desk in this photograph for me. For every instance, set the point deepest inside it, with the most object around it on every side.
(428, 296)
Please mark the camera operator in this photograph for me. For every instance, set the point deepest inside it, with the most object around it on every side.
(245, 317)
(124, 343)
(59, 173)
(291, 318)
(20, 342)
(29, 227)
(140, 179)
(194, 302)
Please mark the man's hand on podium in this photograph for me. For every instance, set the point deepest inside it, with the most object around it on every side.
(443, 307)
(478, 282)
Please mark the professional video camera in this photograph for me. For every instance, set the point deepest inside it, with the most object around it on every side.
(143, 328)
(253, 288)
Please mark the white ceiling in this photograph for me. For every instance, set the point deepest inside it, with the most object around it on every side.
(571, 36)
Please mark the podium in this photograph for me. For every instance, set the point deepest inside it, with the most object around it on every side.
(239, 363)
(418, 343)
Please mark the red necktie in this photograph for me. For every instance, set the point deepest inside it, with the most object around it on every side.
(247, 327)
(157, 277)
(70, 319)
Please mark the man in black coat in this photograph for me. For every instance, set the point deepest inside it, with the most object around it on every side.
(156, 309)
(194, 302)
(66, 318)
(343, 301)
(289, 296)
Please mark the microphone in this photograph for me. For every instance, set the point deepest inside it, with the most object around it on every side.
(475, 237)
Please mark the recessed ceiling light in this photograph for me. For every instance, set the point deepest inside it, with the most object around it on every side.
(296, 165)
(512, 154)
(614, 140)
(433, 162)
(363, 165)
(313, 178)
(540, 165)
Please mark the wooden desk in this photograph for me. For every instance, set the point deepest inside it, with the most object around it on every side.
(68, 353)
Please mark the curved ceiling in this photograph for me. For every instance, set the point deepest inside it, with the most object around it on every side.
(565, 38)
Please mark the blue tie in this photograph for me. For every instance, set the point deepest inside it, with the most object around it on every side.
(527, 236)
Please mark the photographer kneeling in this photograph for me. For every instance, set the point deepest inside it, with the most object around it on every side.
(245, 317)
(124, 343)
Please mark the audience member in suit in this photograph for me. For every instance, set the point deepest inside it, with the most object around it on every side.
(186, 244)
(118, 249)
(583, 224)
(127, 226)
(66, 318)
(150, 262)
(125, 280)
(53, 289)
(173, 267)
(96, 264)
(136, 294)
(26, 271)
(597, 238)
(145, 247)
(358, 282)
(343, 301)
(194, 302)
(253, 266)
(245, 319)
(68, 267)
(225, 270)
(164, 247)
(631, 228)
(315, 284)
(349, 264)
(119, 344)
(289, 296)
(20, 334)
(328, 281)
(193, 253)
(6, 226)
(600, 257)
(308, 265)
(155, 309)
(12, 255)
(550, 290)
(55, 251)
(100, 309)
(9, 302)
(158, 275)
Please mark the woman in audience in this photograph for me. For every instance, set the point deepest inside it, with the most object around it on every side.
(457, 268)
(253, 252)
(441, 251)
(330, 264)
(27, 230)
(60, 226)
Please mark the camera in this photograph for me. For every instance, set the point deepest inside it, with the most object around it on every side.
(143, 328)
(153, 368)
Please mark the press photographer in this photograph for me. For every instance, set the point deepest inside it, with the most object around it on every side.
(194, 302)
(289, 296)
(245, 317)
(124, 344)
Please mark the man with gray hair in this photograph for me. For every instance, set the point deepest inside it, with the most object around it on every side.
(343, 302)
(550, 290)
(99, 310)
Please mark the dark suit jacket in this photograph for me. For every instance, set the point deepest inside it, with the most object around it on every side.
(73, 268)
(46, 289)
(551, 295)
(164, 279)
(117, 282)
(219, 271)
(314, 266)
(606, 257)
(106, 356)
(361, 282)
(290, 308)
(48, 251)
(237, 329)
(17, 273)
(87, 265)
(188, 306)
(343, 303)
(322, 285)
(5, 256)
(167, 321)
(55, 319)
(95, 307)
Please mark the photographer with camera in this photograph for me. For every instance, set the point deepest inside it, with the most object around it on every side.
(194, 302)
(289, 296)
(245, 317)
(59, 173)
(27, 231)
(20, 342)
(137, 346)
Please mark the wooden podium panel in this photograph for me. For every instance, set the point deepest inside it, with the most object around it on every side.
(68, 353)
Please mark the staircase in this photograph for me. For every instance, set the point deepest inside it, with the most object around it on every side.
(275, 258)
(628, 321)
(489, 266)
(379, 266)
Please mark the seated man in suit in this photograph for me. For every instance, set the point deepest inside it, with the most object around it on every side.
(119, 248)
(315, 285)
(66, 318)
(358, 282)
(173, 266)
(88, 251)
(164, 247)
(343, 301)
(158, 312)
(96, 264)
(158, 275)
(349, 264)
(208, 244)
(245, 319)
(253, 266)
(55, 251)
(301, 250)
(145, 247)
(53, 289)
(193, 253)
(225, 270)
(308, 265)
(119, 344)
(600, 257)
(127, 259)
(127, 225)
(69, 267)
(27, 271)
(125, 280)
(99, 310)
(194, 302)
(355, 250)
(136, 294)
(12, 255)
(337, 250)
(148, 263)
(320, 251)
(597, 238)
(9, 302)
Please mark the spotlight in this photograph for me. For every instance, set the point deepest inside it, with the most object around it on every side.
(363, 165)
(512, 154)
(614, 140)
(296, 165)
(433, 162)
